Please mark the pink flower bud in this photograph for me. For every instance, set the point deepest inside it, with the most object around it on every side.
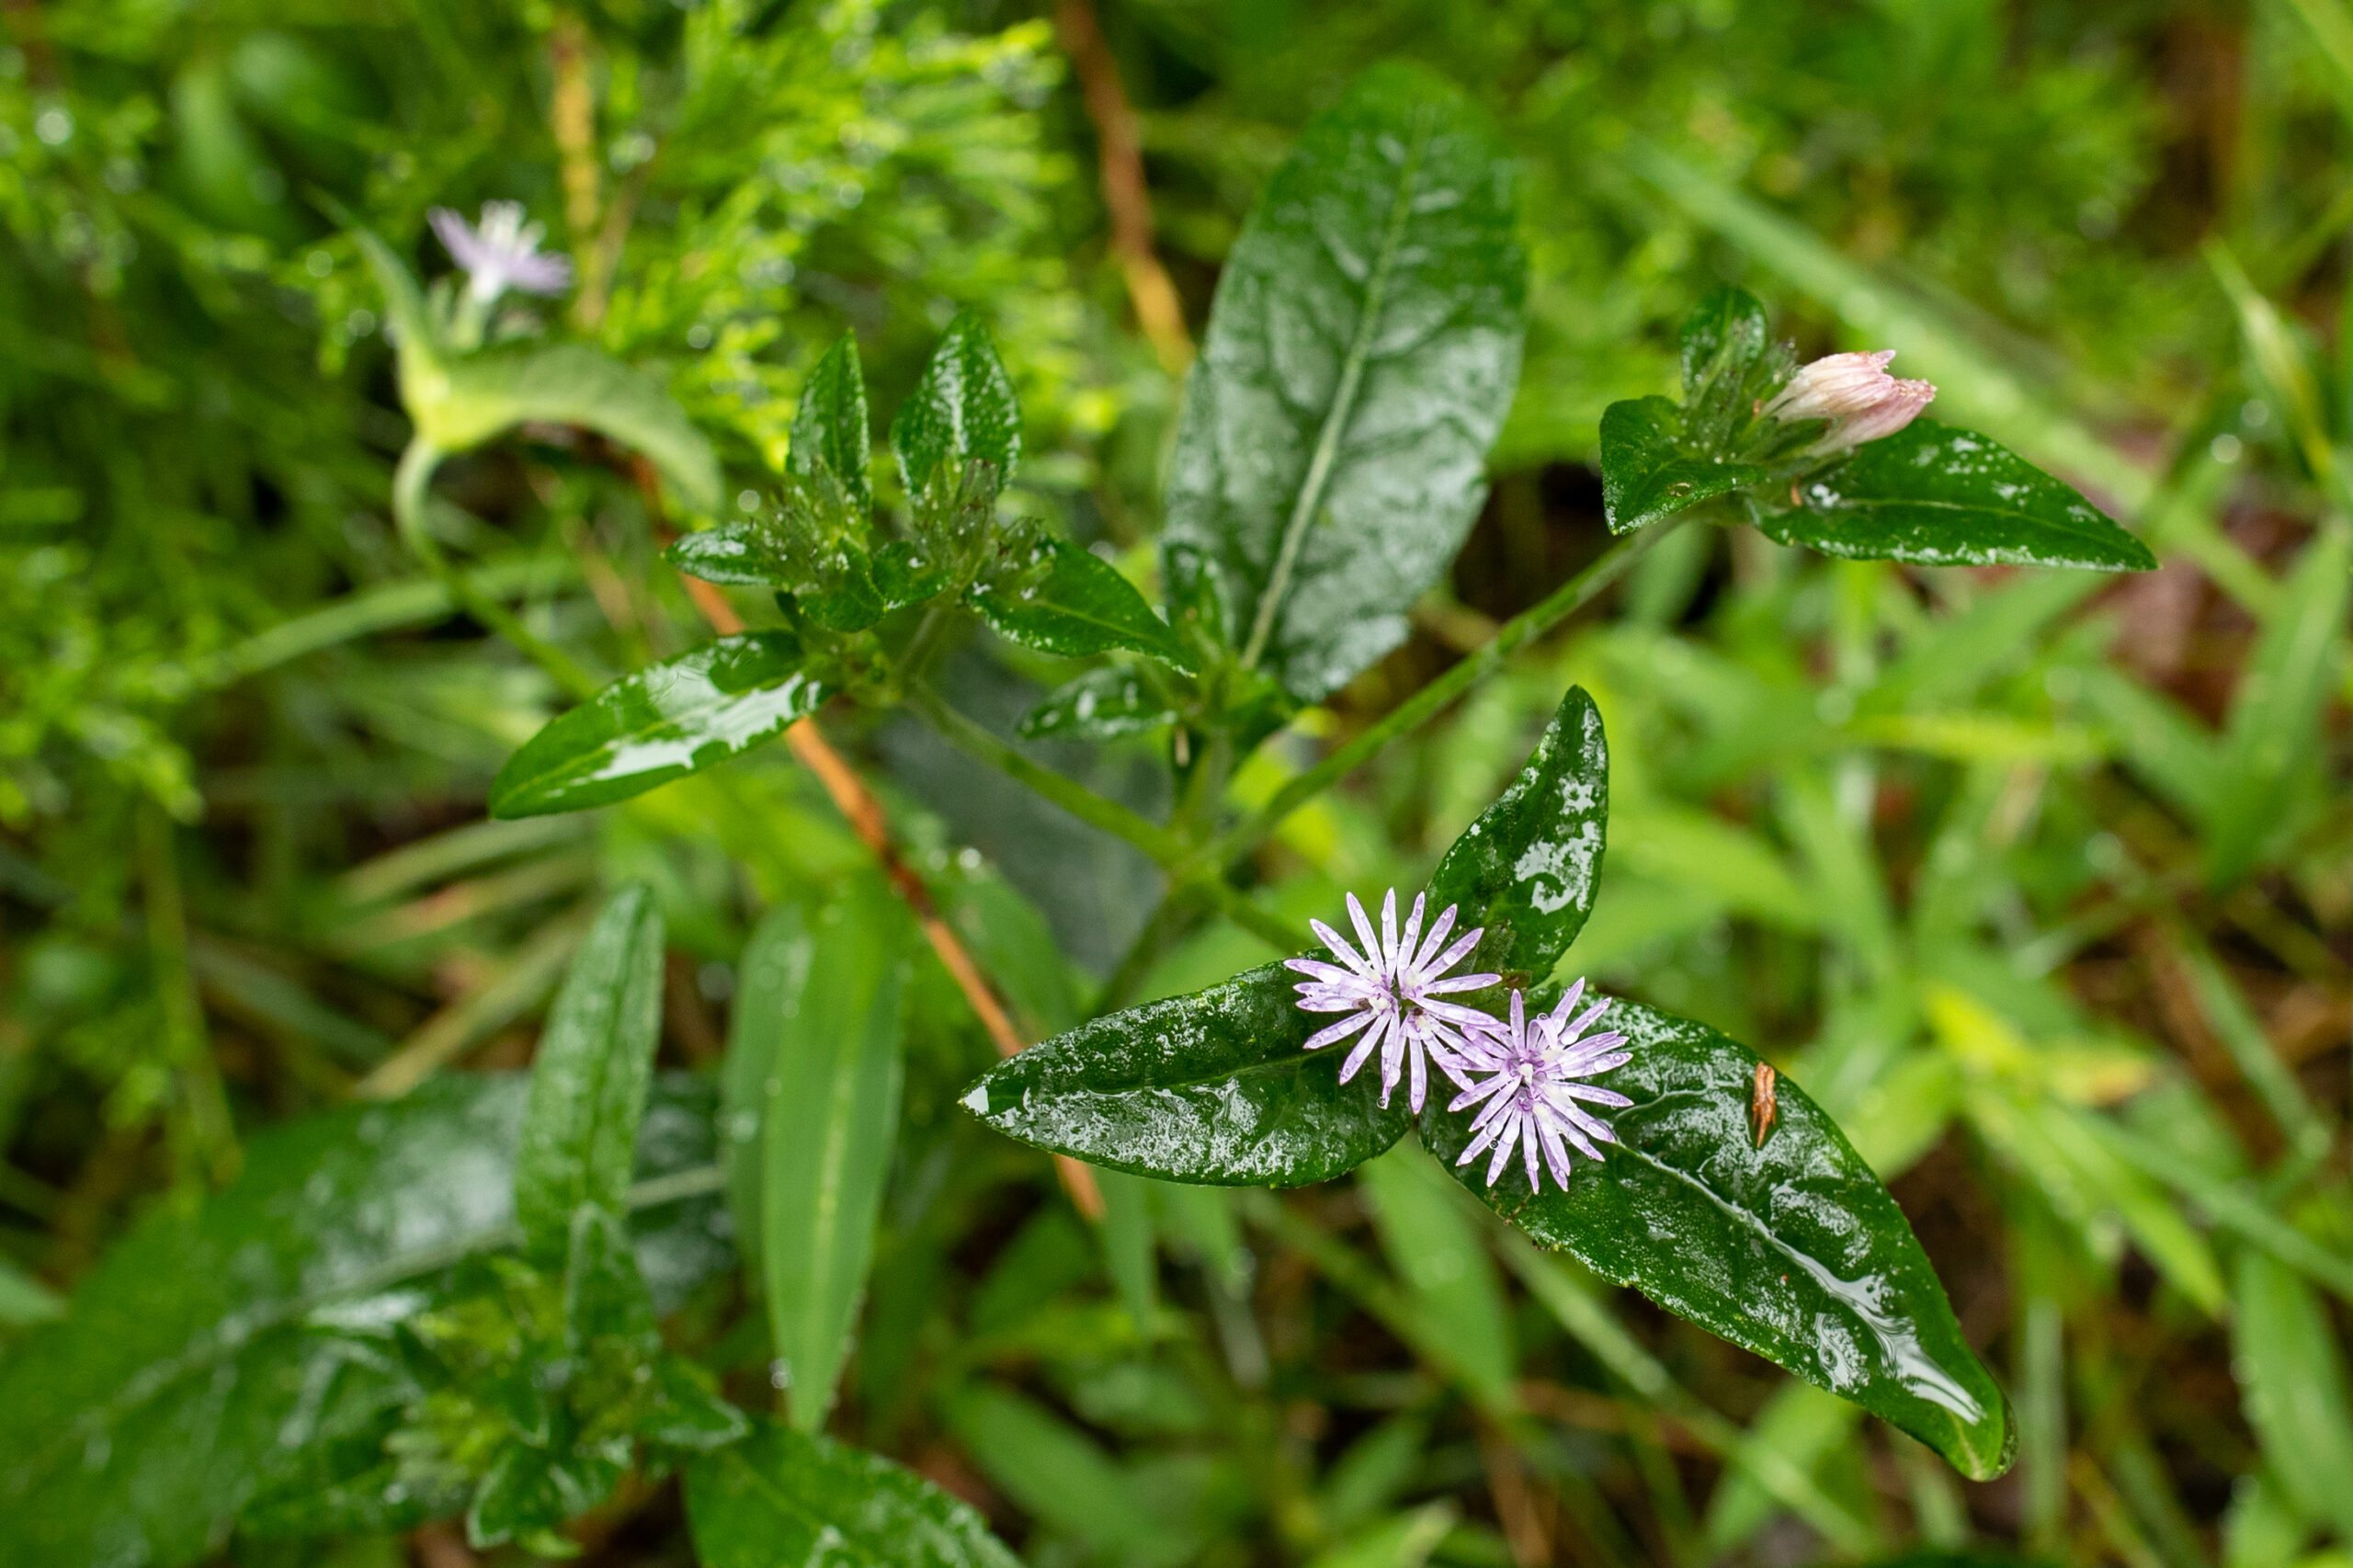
(1856, 393)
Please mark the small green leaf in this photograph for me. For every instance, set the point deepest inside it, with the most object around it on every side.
(663, 722)
(588, 1082)
(1527, 869)
(460, 403)
(830, 438)
(2286, 1354)
(1793, 1251)
(1725, 340)
(963, 409)
(530, 1492)
(1645, 478)
(1099, 705)
(905, 575)
(1212, 1088)
(1940, 496)
(742, 552)
(829, 1118)
(1362, 353)
(1063, 600)
(782, 1500)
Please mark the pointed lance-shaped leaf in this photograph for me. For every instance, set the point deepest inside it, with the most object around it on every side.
(1063, 600)
(1361, 353)
(830, 438)
(1792, 1249)
(1646, 478)
(1938, 496)
(964, 408)
(1213, 1088)
(588, 1081)
(663, 722)
(1527, 869)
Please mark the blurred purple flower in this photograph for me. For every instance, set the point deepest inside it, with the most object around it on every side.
(503, 253)
(1529, 1087)
(1856, 393)
(1394, 990)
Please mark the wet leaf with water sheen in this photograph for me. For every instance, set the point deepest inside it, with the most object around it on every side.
(964, 408)
(1528, 868)
(830, 438)
(589, 1079)
(1940, 496)
(1212, 1088)
(1646, 478)
(211, 1351)
(829, 1122)
(782, 1500)
(1793, 1251)
(1360, 356)
(1072, 602)
(1099, 705)
(663, 722)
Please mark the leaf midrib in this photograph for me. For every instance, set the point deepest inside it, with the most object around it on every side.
(1343, 396)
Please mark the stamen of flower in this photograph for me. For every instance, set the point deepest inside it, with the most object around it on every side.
(1394, 990)
(1528, 1092)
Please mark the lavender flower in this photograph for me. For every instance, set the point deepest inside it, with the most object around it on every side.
(1530, 1090)
(1856, 393)
(502, 253)
(1394, 990)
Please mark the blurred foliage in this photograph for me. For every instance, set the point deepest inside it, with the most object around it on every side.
(2043, 884)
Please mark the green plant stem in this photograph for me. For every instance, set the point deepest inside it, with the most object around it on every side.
(211, 1138)
(1080, 802)
(411, 482)
(1514, 634)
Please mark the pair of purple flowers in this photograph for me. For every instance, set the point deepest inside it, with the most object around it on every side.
(1524, 1074)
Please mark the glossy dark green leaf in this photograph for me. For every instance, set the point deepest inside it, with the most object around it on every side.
(1645, 478)
(1099, 705)
(964, 408)
(1361, 353)
(588, 1081)
(1212, 1088)
(1528, 868)
(663, 722)
(830, 437)
(905, 575)
(1055, 597)
(1793, 1251)
(782, 1500)
(213, 1354)
(1730, 366)
(1940, 496)
(829, 1122)
(743, 552)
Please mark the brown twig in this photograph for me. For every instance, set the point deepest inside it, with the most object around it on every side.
(571, 117)
(863, 812)
(1125, 194)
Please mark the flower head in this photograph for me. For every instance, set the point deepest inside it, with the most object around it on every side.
(1855, 393)
(1394, 990)
(503, 253)
(1528, 1082)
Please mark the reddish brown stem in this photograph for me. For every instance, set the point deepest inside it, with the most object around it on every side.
(1120, 151)
(863, 812)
